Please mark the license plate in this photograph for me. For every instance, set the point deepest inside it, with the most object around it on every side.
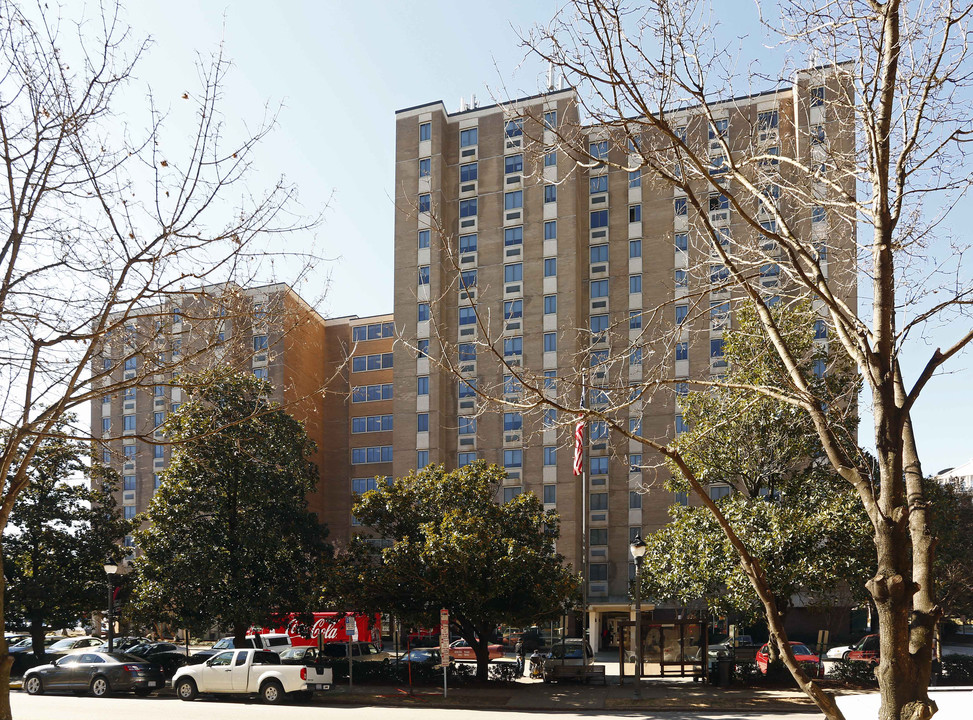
(152, 683)
(318, 686)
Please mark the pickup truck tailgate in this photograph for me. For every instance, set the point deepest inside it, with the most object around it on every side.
(319, 677)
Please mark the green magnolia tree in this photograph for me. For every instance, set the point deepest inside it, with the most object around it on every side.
(453, 545)
(229, 538)
(58, 537)
(796, 516)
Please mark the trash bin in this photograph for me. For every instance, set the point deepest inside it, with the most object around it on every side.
(726, 667)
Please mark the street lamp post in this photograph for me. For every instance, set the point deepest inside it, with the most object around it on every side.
(111, 569)
(638, 552)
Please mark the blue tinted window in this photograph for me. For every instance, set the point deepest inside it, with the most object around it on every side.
(550, 304)
(513, 236)
(598, 150)
(467, 208)
(599, 466)
(425, 167)
(513, 309)
(464, 459)
(598, 219)
(682, 351)
(467, 352)
(467, 316)
(550, 457)
(513, 458)
(598, 254)
(635, 283)
(423, 274)
(682, 241)
(550, 267)
(634, 213)
(512, 421)
(468, 172)
(514, 128)
(635, 248)
(635, 320)
(424, 202)
(599, 288)
(513, 164)
(550, 342)
(422, 385)
(423, 239)
(468, 279)
(598, 184)
(513, 272)
(467, 137)
(467, 388)
(513, 200)
(680, 207)
(513, 346)
(635, 179)
(550, 230)
(422, 312)
(425, 131)
(550, 193)
(467, 425)
(422, 459)
(467, 243)
(422, 422)
(550, 159)
(550, 494)
(681, 312)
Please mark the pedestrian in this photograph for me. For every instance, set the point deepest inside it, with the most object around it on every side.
(536, 669)
(519, 652)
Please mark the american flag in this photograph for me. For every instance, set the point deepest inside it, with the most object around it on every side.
(579, 445)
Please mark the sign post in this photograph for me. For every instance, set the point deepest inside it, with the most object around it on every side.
(444, 643)
(351, 630)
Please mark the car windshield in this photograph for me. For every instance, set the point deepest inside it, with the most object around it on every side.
(123, 657)
(223, 644)
(801, 650)
(65, 644)
(571, 650)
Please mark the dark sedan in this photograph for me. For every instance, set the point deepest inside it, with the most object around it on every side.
(100, 673)
(167, 656)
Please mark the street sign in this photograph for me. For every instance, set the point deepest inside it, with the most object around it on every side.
(444, 635)
(351, 627)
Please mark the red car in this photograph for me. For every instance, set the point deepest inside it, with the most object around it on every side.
(865, 650)
(812, 663)
(461, 650)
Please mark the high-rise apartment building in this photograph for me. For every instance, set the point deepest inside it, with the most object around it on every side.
(512, 257)
(333, 375)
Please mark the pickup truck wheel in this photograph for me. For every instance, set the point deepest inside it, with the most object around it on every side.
(100, 687)
(186, 689)
(845, 654)
(272, 692)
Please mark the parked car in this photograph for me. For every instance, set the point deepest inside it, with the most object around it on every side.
(124, 644)
(421, 656)
(23, 655)
(249, 672)
(360, 652)
(299, 655)
(803, 654)
(277, 642)
(461, 650)
(865, 650)
(840, 652)
(167, 656)
(72, 645)
(100, 673)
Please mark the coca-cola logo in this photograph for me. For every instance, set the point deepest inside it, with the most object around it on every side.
(321, 627)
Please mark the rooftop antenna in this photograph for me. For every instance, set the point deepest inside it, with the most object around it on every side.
(560, 82)
(473, 101)
(550, 76)
(462, 104)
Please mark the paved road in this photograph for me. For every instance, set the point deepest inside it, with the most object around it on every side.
(68, 707)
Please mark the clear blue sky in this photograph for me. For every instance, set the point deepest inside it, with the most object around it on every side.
(342, 69)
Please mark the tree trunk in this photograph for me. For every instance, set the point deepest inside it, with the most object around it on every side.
(481, 650)
(6, 661)
(37, 635)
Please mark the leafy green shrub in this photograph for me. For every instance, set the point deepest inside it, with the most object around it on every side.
(854, 672)
(503, 672)
(957, 670)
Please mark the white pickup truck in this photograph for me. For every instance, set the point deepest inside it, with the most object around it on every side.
(249, 672)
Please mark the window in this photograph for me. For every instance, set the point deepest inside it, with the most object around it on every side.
(820, 330)
(682, 351)
(378, 361)
(467, 243)
(513, 309)
(156, 482)
(682, 311)
(818, 214)
(818, 135)
(513, 200)
(599, 324)
(259, 342)
(128, 482)
(718, 492)
(550, 267)
(513, 458)
(513, 164)
(598, 572)
(423, 274)
(634, 213)
(599, 536)
(467, 137)
(513, 236)
(550, 193)
(719, 315)
(680, 207)
(598, 430)
(550, 342)
(635, 178)
(158, 452)
(635, 320)
(467, 352)
(598, 150)
(371, 393)
(549, 419)
(550, 494)
(467, 425)
(550, 230)
(767, 120)
(550, 119)
(817, 96)
(512, 422)
(598, 219)
(422, 422)
(718, 273)
(513, 272)
(635, 425)
(513, 347)
(550, 456)
(422, 312)
(550, 304)
(599, 501)
(716, 348)
(509, 493)
(599, 466)
(597, 184)
(598, 254)
(467, 388)
(422, 385)
(106, 363)
(635, 356)
(598, 288)
(514, 128)
(131, 363)
(425, 131)
(467, 279)
(422, 459)
(635, 463)
(820, 367)
(718, 129)
(635, 283)
(682, 242)
(129, 513)
(550, 159)
(424, 202)
(466, 458)
(467, 208)
(362, 485)
(425, 167)
(550, 383)
(260, 373)
(682, 389)
(468, 172)
(129, 421)
(635, 248)
(422, 348)
(682, 279)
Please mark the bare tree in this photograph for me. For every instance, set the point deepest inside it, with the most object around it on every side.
(108, 229)
(893, 81)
